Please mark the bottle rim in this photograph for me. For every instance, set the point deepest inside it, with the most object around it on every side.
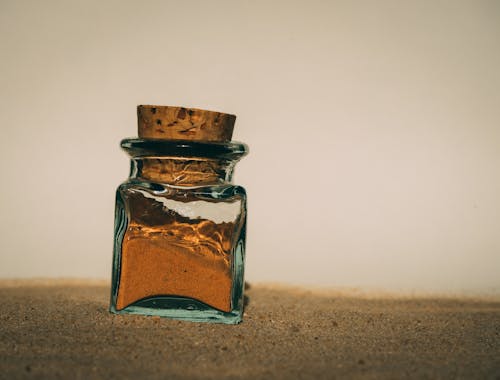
(137, 147)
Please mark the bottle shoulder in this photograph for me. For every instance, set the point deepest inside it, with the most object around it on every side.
(217, 191)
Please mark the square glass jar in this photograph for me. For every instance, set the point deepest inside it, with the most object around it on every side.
(180, 227)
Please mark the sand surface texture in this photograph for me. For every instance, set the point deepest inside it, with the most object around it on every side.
(61, 329)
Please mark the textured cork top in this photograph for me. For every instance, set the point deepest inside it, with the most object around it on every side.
(180, 123)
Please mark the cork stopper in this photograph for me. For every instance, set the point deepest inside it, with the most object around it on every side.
(180, 123)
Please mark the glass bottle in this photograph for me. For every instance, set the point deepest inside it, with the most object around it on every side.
(179, 243)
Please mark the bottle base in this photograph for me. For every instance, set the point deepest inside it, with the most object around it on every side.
(180, 308)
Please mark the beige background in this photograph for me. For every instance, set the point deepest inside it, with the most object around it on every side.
(374, 130)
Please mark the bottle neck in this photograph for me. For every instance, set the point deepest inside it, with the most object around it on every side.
(182, 171)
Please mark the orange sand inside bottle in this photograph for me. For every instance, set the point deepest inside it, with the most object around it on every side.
(186, 260)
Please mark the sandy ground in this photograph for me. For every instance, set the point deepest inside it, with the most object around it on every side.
(62, 329)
